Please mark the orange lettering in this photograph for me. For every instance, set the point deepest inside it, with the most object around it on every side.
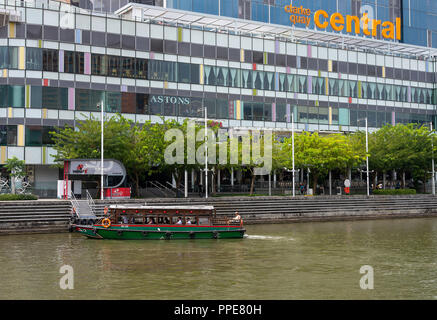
(398, 28)
(317, 19)
(337, 18)
(349, 20)
(389, 32)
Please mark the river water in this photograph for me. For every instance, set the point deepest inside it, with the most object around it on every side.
(317, 260)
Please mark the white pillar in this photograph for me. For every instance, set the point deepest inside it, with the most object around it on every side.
(218, 179)
(270, 184)
(274, 179)
(192, 179)
(186, 183)
(232, 176)
(102, 107)
(330, 183)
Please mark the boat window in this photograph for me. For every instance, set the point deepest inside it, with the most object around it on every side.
(151, 220)
(203, 220)
(193, 219)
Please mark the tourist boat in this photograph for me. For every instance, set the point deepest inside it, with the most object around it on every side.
(159, 222)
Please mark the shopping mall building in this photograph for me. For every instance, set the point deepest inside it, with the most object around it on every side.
(252, 66)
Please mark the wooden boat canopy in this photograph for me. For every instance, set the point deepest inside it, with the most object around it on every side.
(168, 215)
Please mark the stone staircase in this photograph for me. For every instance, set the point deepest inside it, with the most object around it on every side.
(54, 215)
(34, 216)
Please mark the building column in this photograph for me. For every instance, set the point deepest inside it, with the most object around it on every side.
(186, 183)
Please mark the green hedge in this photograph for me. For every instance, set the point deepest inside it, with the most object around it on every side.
(9, 197)
(394, 191)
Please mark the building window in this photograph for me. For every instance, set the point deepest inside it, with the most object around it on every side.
(156, 45)
(128, 102)
(184, 72)
(142, 103)
(16, 96)
(113, 102)
(4, 96)
(128, 67)
(98, 64)
(162, 70)
(8, 135)
(141, 68)
(55, 98)
(33, 136)
(69, 62)
(113, 66)
(4, 60)
(50, 60)
(33, 58)
(39, 136)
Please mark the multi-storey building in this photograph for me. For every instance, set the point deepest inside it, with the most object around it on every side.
(419, 24)
(58, 62)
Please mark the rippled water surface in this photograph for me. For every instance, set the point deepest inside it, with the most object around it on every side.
(283, 261)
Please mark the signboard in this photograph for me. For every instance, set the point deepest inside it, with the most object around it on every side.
(118, 193)
(352, 24)
(61, 186)
(169, 99)
(92, 167)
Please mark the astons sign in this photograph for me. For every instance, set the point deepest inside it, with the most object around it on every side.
(352, 24)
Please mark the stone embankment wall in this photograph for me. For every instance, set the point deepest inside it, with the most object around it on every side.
(53, 215)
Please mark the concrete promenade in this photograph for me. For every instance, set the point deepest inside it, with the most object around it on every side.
(44, 216)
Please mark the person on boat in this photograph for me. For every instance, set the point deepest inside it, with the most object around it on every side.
(179, 221)
(151, 221)
(125, 219)
(237, 216)
(188, 221)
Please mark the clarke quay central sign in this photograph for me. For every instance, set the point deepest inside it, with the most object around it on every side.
(353, 24)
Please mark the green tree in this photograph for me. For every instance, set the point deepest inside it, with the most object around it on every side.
(139, 148)
(16, 169)
(322, 153)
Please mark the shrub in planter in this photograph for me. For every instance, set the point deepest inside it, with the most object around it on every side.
(394, 191)
(11, 197)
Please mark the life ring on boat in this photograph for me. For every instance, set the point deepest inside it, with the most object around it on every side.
(105, 211)
(106, 223)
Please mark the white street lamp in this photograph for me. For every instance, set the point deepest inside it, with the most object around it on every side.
(206, 155)
(432, 150)
(101, 152)
(292, 150)
(367, 155)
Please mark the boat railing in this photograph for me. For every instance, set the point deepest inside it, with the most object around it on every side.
(162, 188)
(91, 202)
(75, 204)
(181, 190)
(226, 221)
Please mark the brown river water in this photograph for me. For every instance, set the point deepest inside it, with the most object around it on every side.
(316, 260)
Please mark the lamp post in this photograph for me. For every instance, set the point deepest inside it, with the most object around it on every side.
(433, 171)
(367, 156)
(101, 151)
(292, 150)
(206, 155)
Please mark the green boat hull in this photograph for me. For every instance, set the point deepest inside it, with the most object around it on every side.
(160, 233)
